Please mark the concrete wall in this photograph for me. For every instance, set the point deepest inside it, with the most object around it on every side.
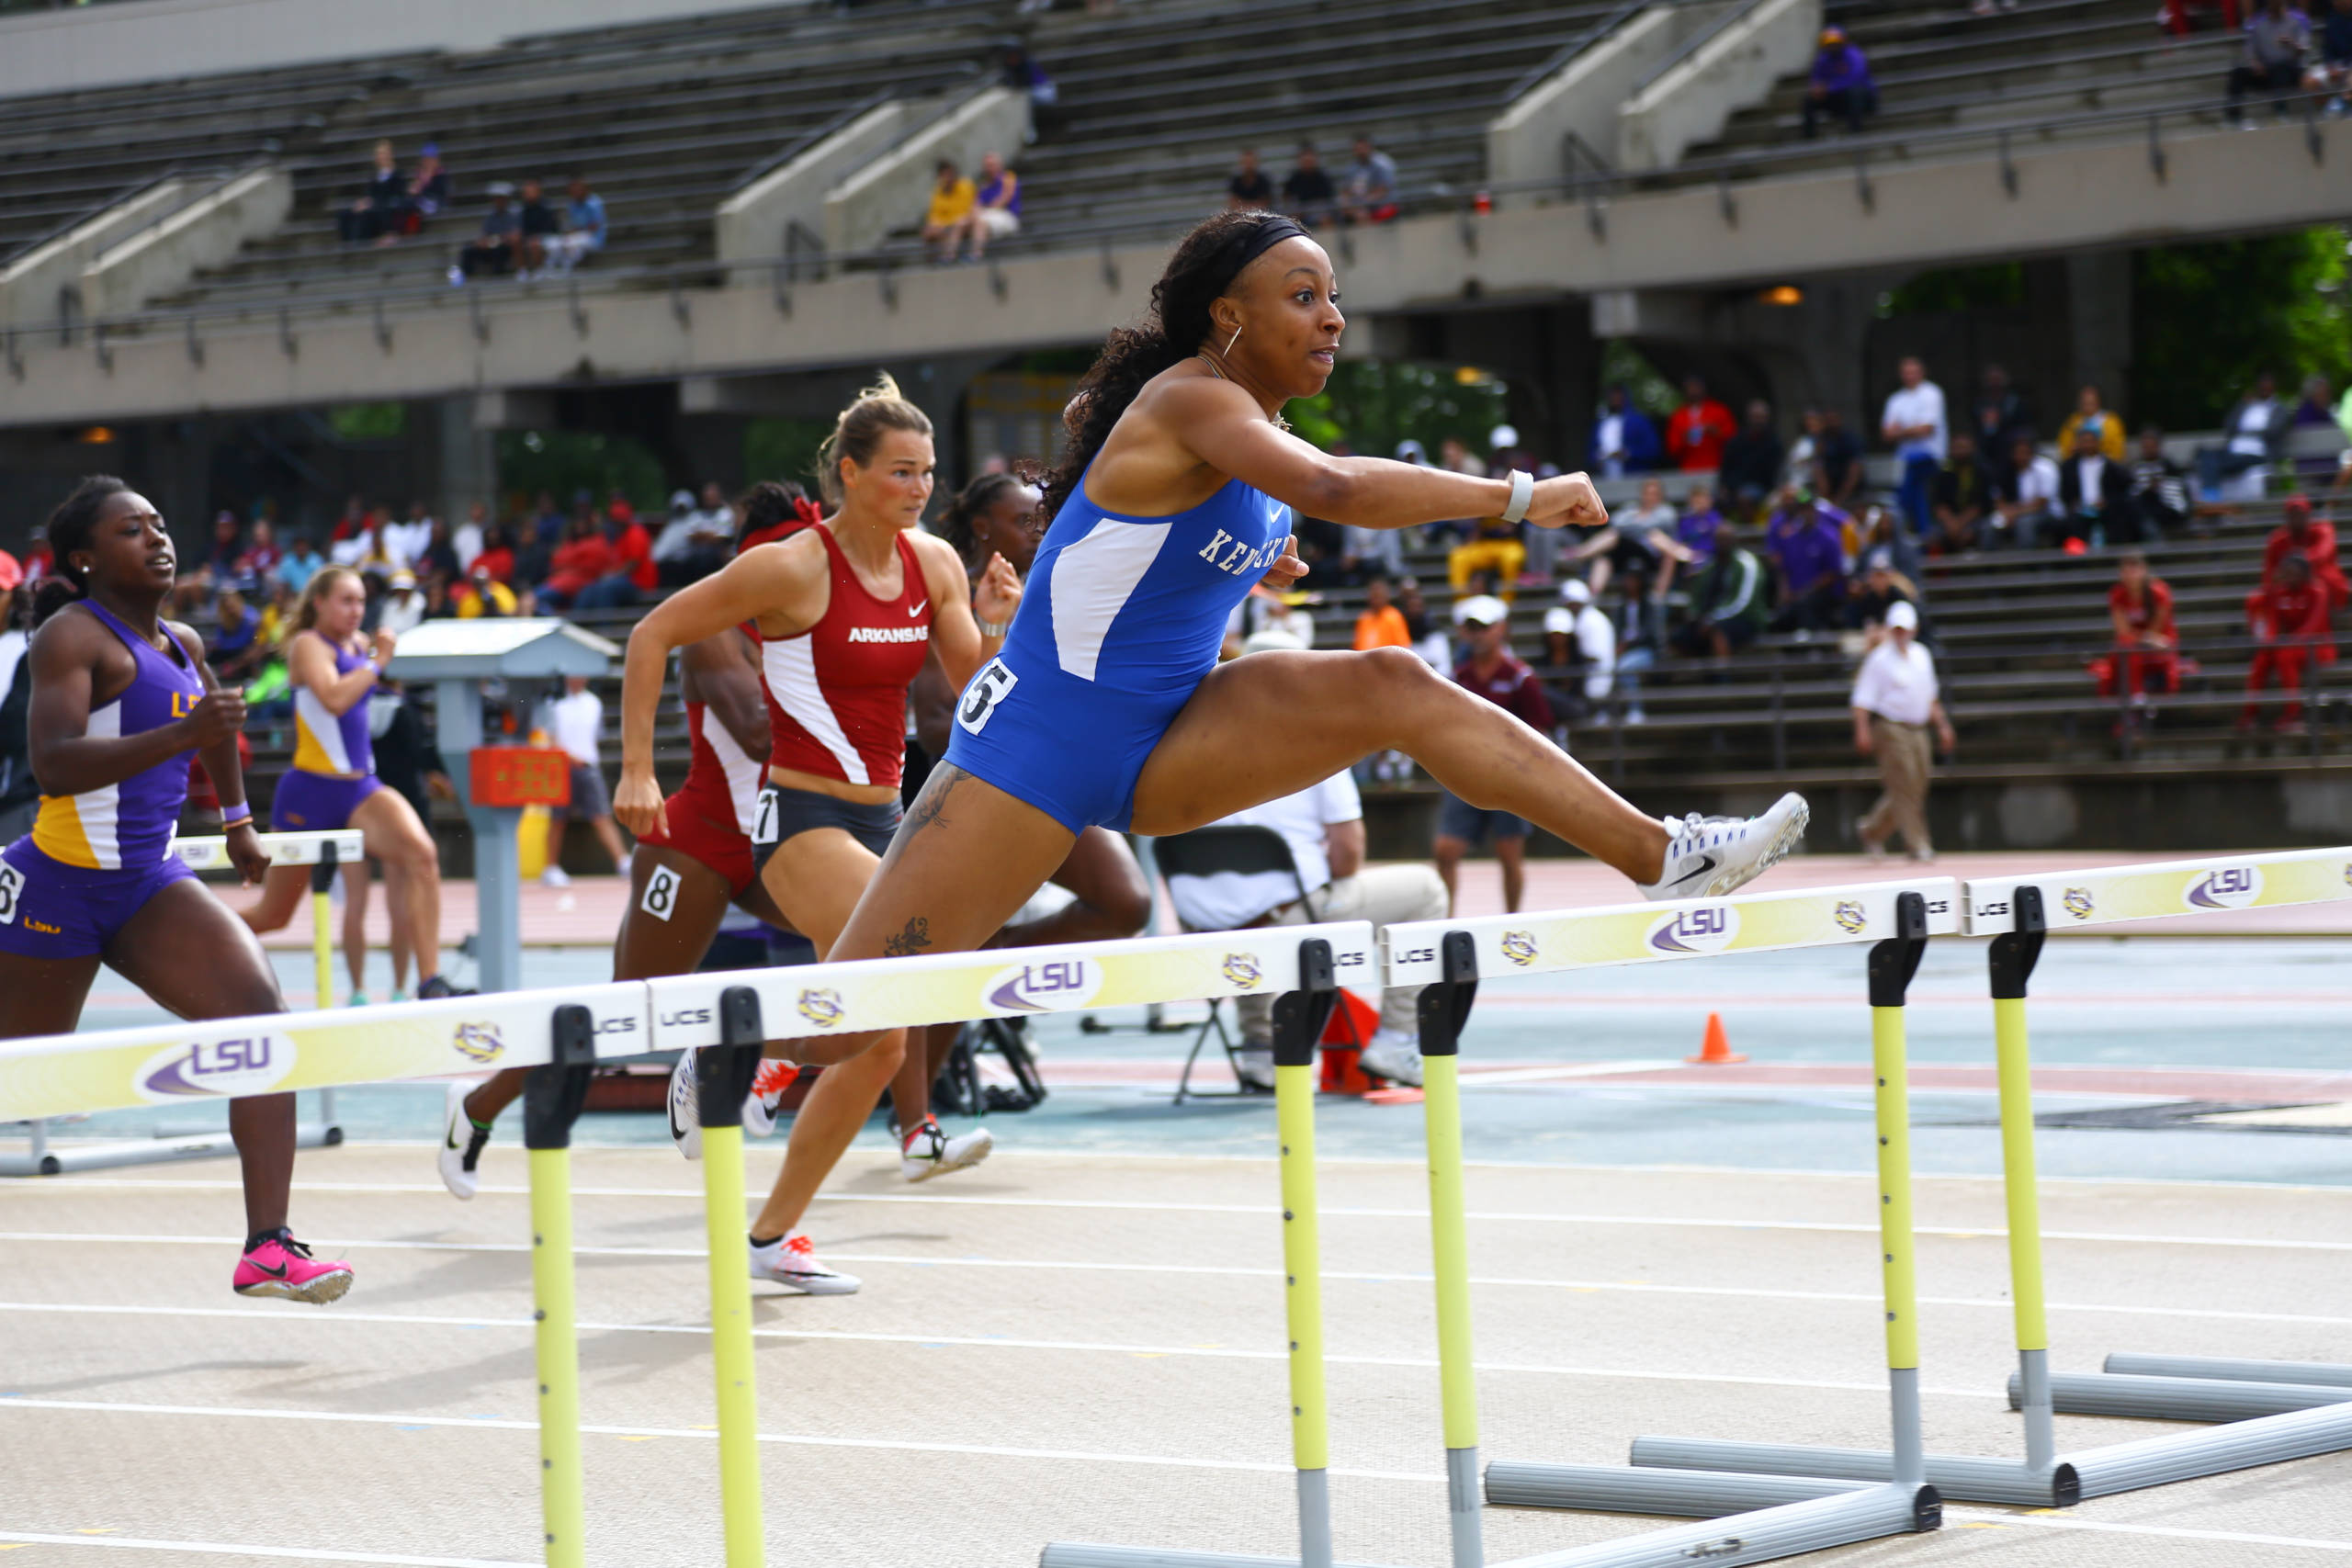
(34, 286)
(1584, 95)
(157, 41)
(890, 192)
(204, 233)
(751, 222)
(1737, 67)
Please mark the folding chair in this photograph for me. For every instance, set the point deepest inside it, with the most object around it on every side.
(1206, 852)
(960, 1087)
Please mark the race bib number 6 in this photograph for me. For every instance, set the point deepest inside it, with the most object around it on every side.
(12, 888)
(989, 687)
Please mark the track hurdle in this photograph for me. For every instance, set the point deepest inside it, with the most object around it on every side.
(2272, 1410)
(321, 852)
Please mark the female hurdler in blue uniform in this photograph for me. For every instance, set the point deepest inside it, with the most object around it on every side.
(1107, 703)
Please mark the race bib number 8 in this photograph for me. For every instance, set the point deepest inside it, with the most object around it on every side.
(12, 888)
(660, 900)
(989, 687)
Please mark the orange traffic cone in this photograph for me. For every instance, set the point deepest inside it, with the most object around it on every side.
(1716, 1050)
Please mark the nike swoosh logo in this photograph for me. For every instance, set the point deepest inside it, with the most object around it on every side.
(276, 1273)
(919, 609)
(1705, 866)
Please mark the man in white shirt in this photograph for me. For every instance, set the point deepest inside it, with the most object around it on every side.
(1913, 423)
(406, 543)
(1323, 825)
(2027, 496)
(470, 538)
(1592, 641)
(1895, 703)
(576, 723)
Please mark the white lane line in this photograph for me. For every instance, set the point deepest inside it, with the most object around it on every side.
(1114, 1206)
(1581, 1287)
(2172, 1533)
(215, 1548)
(992, 1342)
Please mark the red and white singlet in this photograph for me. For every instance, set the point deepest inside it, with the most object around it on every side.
(710, 816)
(837, 693)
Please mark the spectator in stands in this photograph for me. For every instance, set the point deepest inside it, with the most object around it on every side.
(1808, 561)
(2095, 494)
(540, 225)
(428, 188)
(2254, 435)
(576, 723)
(220, 556)
(1429, 637)
(440, 556)
(2159, 489)
(2026, 497)
(1493, 672)
(403, 608)
(583, 230)
(497, 555)
(491, 252)
(1024, 74)
(1695, 435)
(1307, 192)
(2147, 645)
(406, 543)
(2287, 619)
(1695, 529)
(2331, 69)
(234, 648)
(944, 221)
(470, 538)
(632, 572)
(1248, 187)
(1581, 645)
(2315, 413)
(481, 594)
(1495, 547)
(2002, 415)
(1728, 601)
(1883, 529)
(1368, 190)
(1623, 440)
(1382, 624)
(259, 562)
(996, 208)
(1962, 499)
(1839, 84)
(1641, 544)
(703, 544)
(535, 547)
(1749, 466)
(1913, 423)
(2091, 414)
(376, 214)
(2174, 15)
(584, 558)
(1877, 591)
(2278, 39)
(1455, 457)
(2313, 538)
(1896, 703)
(300, 563)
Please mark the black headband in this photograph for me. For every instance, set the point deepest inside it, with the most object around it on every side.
(1246, 245)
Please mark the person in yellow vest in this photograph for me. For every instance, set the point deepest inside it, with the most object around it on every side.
(952, 200)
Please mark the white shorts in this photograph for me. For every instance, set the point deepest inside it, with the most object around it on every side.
(1000, 224)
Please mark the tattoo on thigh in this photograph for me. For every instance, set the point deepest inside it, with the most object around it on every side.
(916, 937)
(931, 806)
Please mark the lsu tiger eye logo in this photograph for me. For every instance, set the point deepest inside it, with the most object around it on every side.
(1242, 970)
(2078, 903)
(478, 1041)
(1850, 916)
(1519, 947)
(821, 1006)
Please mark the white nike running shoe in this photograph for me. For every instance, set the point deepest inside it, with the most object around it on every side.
(1710, 856)
(1393, 1054)
(792, 1262)
(762, 1106)
(927, 1151)
(686, 1106)
(461, 1144)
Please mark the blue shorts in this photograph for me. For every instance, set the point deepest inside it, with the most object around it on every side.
(1457, 818)
(52, 910)
(1070, 748)
(316, 803)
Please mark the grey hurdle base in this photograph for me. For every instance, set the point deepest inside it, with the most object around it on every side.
(2184, 1399)
(2230, 1368)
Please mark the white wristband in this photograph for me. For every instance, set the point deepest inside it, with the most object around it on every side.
(1522, 491)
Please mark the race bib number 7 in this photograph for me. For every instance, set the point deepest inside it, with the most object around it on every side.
(767, 813)
(989, 687)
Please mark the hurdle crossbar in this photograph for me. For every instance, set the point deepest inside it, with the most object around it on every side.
(2271, 1411)
(321, 852)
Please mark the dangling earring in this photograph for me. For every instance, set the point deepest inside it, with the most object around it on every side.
(1231, 341)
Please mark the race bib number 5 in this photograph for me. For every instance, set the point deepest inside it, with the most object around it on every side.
(989, 687)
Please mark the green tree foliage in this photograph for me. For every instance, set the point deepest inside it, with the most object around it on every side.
(563, 461)
(1372, 404)
(368, 421)
(783, 449)
(2208, 318)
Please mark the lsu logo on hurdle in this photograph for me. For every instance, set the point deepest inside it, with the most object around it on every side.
(2078, 903)
(2231, 888)
(821, 1006)
(1519, 947)
(1051, 986)
(1242, 971)
(245, 1063)
(1702, 927)
(1852, 917)
(478, 1043)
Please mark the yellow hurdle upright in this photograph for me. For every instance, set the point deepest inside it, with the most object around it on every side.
(1445, 1007)
(1302, 1302)
(562, 1488)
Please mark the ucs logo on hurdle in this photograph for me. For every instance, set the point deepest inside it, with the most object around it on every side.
(245, 1063)
(2231, 888)
(1704, 928)
(1051, 987)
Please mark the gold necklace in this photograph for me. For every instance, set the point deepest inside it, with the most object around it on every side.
(1279, 423)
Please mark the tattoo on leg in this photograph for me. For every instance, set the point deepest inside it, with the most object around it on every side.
(931, 806)
(914, 939)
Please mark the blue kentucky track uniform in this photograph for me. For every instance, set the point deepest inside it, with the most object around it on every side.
(1121, 619)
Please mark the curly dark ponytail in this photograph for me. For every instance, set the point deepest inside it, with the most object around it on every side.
(69, 527)
(1202, 268)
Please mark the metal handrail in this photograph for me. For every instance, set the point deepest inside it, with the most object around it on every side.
(1622, 13)
(801, 143)
(129, 192)
(1691, 46)
(1583, 185)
